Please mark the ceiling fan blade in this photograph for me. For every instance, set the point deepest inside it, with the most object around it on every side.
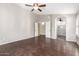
(28, 5)
(43, 5)
(39, 9)
(32, 9)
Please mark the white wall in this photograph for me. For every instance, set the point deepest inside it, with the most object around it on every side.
(71, 28)
(77, 29)
(41, 18)
(48, 31)
(16, 23)
(36, 29)
(53, 25)
(77, 24)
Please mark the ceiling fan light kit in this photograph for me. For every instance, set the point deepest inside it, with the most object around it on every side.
(36, 6)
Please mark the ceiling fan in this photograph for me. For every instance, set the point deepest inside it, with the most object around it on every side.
(36, 6)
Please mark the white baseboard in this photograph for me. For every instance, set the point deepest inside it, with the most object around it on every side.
(6, 42)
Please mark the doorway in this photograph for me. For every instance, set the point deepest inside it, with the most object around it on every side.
(43, 29)
(61, 28)
(40, 29)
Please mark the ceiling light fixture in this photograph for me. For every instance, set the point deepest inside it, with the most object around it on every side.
(43, 23)
(35, 6)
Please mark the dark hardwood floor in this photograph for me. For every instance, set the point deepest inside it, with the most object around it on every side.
(40, 46)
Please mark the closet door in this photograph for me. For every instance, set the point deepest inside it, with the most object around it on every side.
(47, 28)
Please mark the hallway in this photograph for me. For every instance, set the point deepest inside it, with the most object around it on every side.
(40, 46)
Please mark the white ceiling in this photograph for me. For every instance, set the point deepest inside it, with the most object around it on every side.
(56, 8)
